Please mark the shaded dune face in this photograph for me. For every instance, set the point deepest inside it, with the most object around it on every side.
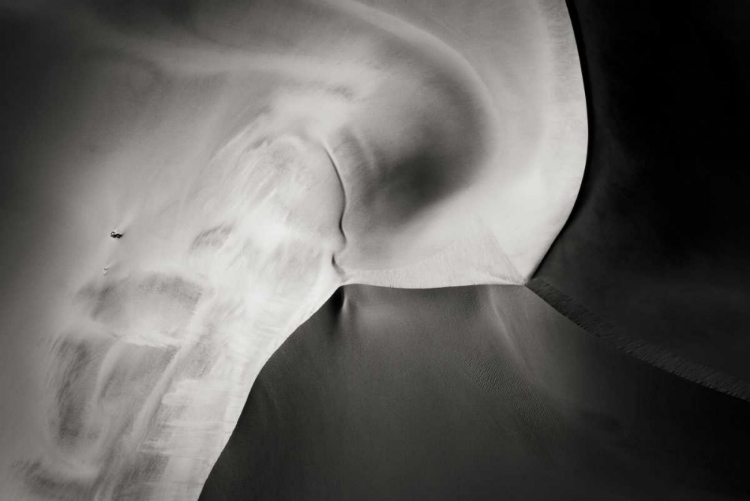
(483, 392)
(209, 174)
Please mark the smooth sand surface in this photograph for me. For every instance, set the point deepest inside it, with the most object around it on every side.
(482, 392)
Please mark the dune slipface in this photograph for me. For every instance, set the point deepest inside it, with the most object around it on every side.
(187, 183)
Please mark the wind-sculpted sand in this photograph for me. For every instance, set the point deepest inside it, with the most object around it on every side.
(146, 382)
(189, 185)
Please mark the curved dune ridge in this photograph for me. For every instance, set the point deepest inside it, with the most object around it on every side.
(191, 181)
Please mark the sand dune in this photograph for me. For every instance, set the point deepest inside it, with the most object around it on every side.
(488, 392)
(188, 183)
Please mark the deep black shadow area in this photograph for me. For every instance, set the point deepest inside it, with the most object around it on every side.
(658, 242)
(478, 393)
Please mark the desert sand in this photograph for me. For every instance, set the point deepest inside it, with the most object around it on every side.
(187, 183)
(626, 377)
